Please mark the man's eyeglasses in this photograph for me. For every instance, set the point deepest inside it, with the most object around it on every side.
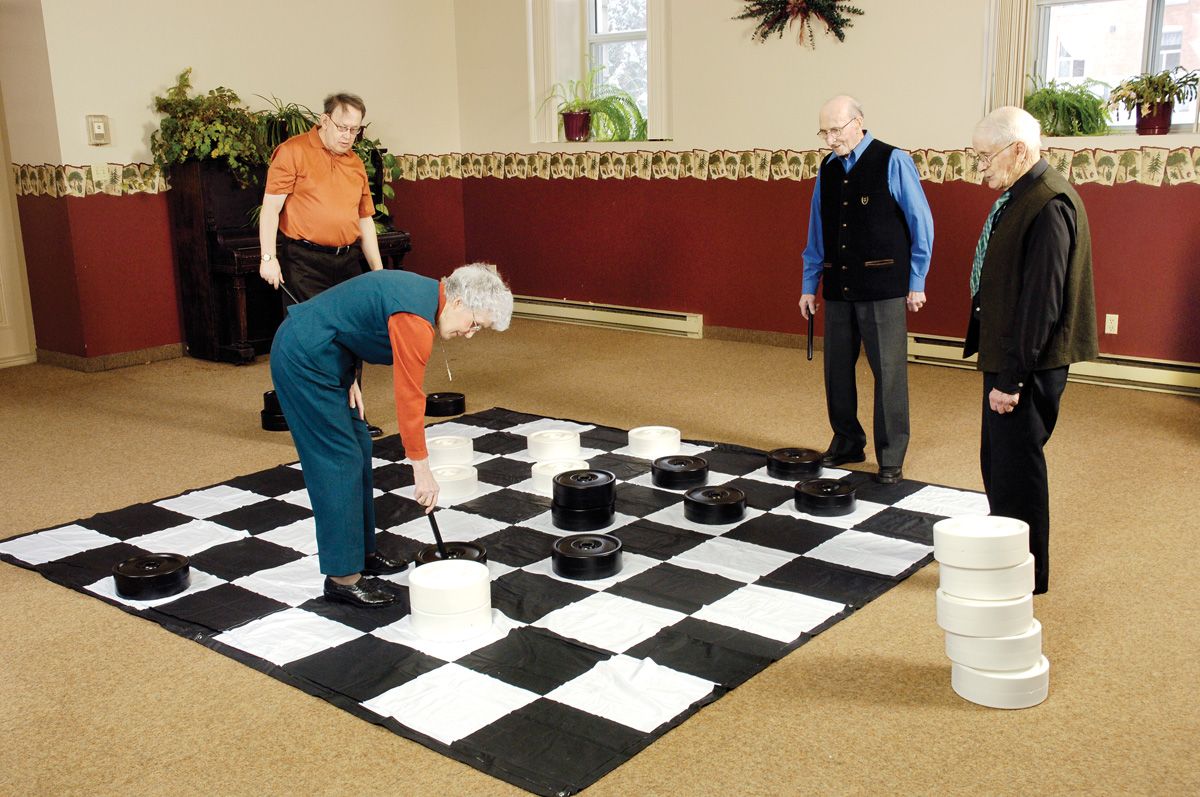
(835, 132)
(344, 129)
(475, 325)
(985, 159)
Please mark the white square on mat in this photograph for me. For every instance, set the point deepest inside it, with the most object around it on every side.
(774, 613)
(637, 693)
(288, 635)
(299, 536)
(761, 475)
(199, 582)
(862, 511)
(456, 429)
(685, 449)
(211, 501)
(482, 489)
(450, 702)
(292, 583)
(523, 455)
(631, 565)
(453, 525)
(609, 621)
(188, 539)
(297, 497)
(673, 515)
(401, 632)
(863, 550)
(741, 561)
(545, 522)
(714, 478)
(53, 544)
(946, 501)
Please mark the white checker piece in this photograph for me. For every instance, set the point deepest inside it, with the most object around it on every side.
(453, 525)
(456, 429)
(714, 479)
(199, 582)
(673, 516)
(545, 522)
(188, 539)
(299, 536)
(58, 543)
(945, 501)
(862, 511)
(863, 550)
(450, 703)
(761, 475)
(293, 583)
(495, 571)
(637, 693)
(609, 621)
(288, 635)
(685, 450)
(548, 424)
(401, 632)
(740, 561)
(773, 613)
(211, 501)
(631, 565)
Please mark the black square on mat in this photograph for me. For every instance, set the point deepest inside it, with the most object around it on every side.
(499, 443)
(735, 462)
(134, 521)
(507, 506)
(393, 477)
(903, 523)
(604, 438)
(786, 533)
(498, 418)
(272, 482)
(363, 668)
(393, 510)
(390, 448)
(262, 516)
(825, 580)
(527, 597)
(681, 589)
(867, 489)
(360, 617)
(717, 653)
(503, 472)
(88, 567)
(621, 466)
(639, 501)
(397, 545)
(534, 659)
(657, 540)
(232, 560)
(763, 495)
(553, 747)
(221, 608)
(516, 546)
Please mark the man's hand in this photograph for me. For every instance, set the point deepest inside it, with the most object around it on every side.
(1003, 402)
(915, 300)
(269, 271)
(356, 400)
(808, 305)
(426, 487)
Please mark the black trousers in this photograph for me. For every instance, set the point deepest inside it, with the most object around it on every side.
(1013, 461)
(881, 329)
(307, 272)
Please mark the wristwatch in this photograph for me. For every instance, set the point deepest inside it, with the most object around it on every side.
(266, 258)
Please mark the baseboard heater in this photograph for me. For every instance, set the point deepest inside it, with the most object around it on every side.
(610, 316)
(1162, 376)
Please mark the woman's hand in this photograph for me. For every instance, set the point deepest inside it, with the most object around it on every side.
(356, 400)
(426, 487)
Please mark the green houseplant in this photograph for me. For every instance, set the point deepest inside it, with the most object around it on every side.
(1152, 96)
(1064, 109)
(589, 107)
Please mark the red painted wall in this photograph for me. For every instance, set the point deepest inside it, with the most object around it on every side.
(431, 211)
(50, 263)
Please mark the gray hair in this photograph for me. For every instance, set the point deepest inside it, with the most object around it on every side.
(1008, 124)
(482, 290)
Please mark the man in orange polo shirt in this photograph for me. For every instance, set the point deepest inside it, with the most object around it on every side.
(318, 197)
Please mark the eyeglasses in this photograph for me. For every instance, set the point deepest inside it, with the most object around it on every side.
(985, 160)
(475, 325)
(835, 132)
(344, 130)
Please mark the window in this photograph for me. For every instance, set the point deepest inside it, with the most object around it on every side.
(617, 42)
(1110, 40)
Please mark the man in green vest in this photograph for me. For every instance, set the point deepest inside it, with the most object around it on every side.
(1033, 313)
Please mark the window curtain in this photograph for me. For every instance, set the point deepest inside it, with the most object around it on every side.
(1008, 51)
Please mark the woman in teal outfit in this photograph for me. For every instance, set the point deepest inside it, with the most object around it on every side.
(381, 317)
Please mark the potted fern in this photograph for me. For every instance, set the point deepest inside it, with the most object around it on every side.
(1064, 109)
(1152, 96)
(592, 109)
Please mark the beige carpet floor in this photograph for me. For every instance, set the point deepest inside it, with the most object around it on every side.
(98, 702)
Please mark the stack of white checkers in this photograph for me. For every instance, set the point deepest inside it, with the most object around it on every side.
(450, 459)
(554, 451)
(985, 606)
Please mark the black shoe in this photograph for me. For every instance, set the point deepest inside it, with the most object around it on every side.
(831, 460)
(374, 430)
(364, 592)
(889, 474)
(379, 565)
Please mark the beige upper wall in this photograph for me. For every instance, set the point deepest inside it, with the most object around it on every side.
(113, 58)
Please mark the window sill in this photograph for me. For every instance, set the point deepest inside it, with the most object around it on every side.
(1122, 139)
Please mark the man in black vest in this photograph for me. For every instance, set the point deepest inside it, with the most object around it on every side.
(870, 239)
(1033, 313)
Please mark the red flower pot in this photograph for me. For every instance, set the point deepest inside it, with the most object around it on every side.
(1157, 122)
(577, 125)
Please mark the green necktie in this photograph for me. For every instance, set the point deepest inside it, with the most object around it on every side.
(984, 237)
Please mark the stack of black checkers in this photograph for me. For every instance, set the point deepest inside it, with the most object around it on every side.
(714, 506)
(586, 557)
(679, 472)
(584, 500)
(794, 464)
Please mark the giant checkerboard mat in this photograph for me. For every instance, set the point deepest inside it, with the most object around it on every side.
(574, 678)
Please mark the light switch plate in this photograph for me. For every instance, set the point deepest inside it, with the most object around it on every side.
(97, 127)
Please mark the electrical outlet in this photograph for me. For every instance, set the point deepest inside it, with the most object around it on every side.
(1110, 324)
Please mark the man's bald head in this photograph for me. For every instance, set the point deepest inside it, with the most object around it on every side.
(841, 120)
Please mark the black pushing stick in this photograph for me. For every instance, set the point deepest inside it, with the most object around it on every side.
(437, 536)
(810, 331)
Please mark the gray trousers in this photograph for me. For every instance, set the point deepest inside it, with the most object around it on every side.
(881, 329)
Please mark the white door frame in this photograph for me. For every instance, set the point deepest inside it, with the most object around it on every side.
(17, 346)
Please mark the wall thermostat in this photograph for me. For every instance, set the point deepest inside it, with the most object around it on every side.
(97, 127)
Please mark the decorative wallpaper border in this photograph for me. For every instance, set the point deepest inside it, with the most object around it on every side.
(1154, 166)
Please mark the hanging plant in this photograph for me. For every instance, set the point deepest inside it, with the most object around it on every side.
(775, 15)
